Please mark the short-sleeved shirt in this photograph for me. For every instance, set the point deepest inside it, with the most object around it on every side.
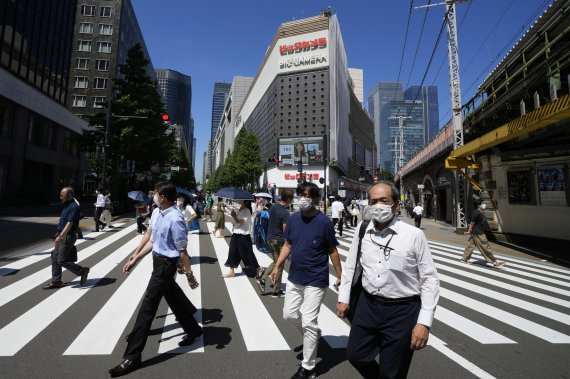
(169, 232)
(311, 240)
(337, 208)
(70, 213)
(278, 215)
(477, 218)
(243, 214)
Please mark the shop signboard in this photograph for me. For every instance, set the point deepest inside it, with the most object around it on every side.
(552, 186)
(309, 150)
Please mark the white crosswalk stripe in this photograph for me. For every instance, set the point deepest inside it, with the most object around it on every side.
(526, 296)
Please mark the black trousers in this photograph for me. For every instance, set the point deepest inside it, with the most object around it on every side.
(340, 221)
(241, 250)
(385, 330)
(140, 224)
(96, 218)
(162, 284)
(418, 220)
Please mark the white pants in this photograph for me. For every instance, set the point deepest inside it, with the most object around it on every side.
(301, 308)
(106, 217)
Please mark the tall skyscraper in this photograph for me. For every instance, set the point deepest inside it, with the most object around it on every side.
(379, 98)
(221, 93)
(104, 33)
(38, 148)
(176, 90)
(430, 104)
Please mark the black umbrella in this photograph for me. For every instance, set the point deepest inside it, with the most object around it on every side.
(234, 193)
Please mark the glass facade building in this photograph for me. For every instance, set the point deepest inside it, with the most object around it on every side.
(37, 38)
(430, 105)
(221, 93)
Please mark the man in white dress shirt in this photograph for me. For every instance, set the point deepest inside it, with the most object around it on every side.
(395, 311)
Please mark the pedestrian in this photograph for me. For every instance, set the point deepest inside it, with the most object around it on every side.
(64, 253)
(141, 212)
(167, 238)
(189, 214)
(309, 239)
(208, 207)
(220, 218)
(337, 212)
(418, 212)
(99, 207)
(79, 232)
(240, 243)
(106, 217)
(354, 213)
(278, 216)
(476, 232)
(400, 291)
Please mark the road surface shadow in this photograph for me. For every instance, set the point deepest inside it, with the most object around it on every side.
(204, 260)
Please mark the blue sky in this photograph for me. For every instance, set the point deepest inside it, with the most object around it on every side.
(217, 39)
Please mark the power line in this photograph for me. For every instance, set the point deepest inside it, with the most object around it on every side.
(418, 45)
(430, 60)
(405, 41)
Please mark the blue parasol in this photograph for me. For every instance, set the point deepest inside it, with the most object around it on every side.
(234, 193)
(137, 195)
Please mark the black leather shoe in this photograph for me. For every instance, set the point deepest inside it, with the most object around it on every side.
(303, 373)
(126, 367)
(189, 338)
(84, 276)
(52, 286)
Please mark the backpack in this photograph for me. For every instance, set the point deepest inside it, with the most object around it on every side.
(260, 230)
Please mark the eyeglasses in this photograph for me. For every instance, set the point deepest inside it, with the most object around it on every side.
(386, 249)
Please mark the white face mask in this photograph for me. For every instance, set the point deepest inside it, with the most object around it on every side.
(381, 212)
(483, 206)
(156, 200)
(305, 203)
(179, 203)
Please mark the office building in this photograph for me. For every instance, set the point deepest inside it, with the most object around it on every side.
(176, 91)
(302, 108)
(225, 134)
(430, 104)
(379, 98)
(219, 98)
(104, 32)
(38, 148)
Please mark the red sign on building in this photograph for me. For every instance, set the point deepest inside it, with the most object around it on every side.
(297, 47)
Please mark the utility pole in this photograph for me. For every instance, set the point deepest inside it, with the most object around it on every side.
(399, 146)
(456, 104)
(106, 143)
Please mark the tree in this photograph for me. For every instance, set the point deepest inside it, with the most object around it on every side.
(184, 177)
(246, 160)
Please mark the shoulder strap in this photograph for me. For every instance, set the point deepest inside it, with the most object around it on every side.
(361, 233)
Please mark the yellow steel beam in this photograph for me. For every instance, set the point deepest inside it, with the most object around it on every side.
(546, 115)
(461, 162)
(476, 185)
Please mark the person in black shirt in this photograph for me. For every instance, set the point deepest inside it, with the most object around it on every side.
(278, 216)
(66, 236)
(476, 232)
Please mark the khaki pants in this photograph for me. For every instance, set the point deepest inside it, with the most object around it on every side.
(482, 244)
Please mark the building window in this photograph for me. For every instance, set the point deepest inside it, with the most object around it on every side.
(5, 118)
(99, 101)
(100, 83)
(82, 64)
(81, 82)
(86, 27)
(69, 144)
(88, 10)
(106, 12)
(520, 186)
(103, 47)
(102, 65)
(106, 30)
(83, 45)
(41, 132)
(79, 101)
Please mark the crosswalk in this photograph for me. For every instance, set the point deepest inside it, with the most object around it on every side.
(528, 302)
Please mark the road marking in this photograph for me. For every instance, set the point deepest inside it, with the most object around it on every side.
(469, 328)
(439, 345)
(512, 265)
(26, 327)
(103, 332)
(172, 332)
(27, 261)
(22, 286)
(335, 331)
(514, 321)
(510, 259)
(525, 305)
(494, 272)
(255, 322)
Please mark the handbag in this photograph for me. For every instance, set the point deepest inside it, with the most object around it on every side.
(355, 212)
(356, 285)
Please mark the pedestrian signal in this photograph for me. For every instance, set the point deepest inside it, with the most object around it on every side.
(165, 117)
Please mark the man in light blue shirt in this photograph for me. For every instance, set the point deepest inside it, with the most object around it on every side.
(167, 238)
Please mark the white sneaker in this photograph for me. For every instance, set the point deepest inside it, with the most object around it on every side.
(463, 260)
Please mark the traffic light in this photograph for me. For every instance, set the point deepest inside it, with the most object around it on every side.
(165, 117)
(322, 180)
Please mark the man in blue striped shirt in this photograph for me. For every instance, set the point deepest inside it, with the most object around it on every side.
(167, 238)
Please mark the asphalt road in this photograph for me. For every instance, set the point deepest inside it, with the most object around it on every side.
(510, 323)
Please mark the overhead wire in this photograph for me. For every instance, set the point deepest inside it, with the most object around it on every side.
(405, 42)
(418, 45)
